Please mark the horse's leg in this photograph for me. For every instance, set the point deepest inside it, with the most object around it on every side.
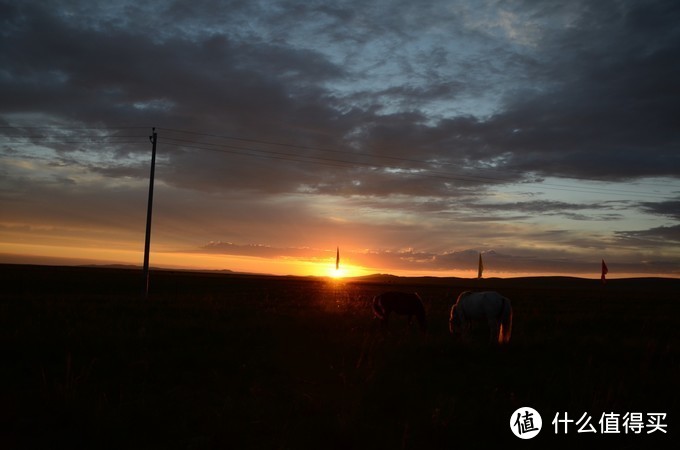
(494, 329)
(465, 332)
(471, 329)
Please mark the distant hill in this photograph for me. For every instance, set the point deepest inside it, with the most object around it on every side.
(672, 285)
(135, 267)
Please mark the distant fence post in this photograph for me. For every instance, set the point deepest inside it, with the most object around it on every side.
(147, 240)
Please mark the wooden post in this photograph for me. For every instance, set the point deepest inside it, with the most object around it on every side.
(147, 241)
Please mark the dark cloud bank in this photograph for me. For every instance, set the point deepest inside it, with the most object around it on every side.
(586, 90)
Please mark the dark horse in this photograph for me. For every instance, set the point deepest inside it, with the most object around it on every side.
(404, 303)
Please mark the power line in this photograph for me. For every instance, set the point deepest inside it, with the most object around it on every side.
(425, 169)
(79, 142)
(395, 158)
(264, 154)
(58, 127)
(303, 147)
(112, 136)
(332, 162)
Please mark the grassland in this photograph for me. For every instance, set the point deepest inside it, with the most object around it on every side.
(254, 362)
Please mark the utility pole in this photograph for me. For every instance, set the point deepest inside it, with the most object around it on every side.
(147, 242)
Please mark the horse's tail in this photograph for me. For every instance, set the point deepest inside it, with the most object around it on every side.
(378, 309)
(453, 311)
(506, 322)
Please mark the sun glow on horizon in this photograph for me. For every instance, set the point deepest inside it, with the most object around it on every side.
(343, 271)
(336, 273)
(21, 253)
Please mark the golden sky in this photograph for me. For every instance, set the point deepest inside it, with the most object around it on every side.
(543, 136)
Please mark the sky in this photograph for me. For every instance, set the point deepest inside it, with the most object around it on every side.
(414, 136)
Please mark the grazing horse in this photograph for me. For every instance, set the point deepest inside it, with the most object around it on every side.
(404, 303)
(487, 306)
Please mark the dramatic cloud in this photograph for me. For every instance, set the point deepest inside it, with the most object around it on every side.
(542, 130)
(655, 236)
(669, 208)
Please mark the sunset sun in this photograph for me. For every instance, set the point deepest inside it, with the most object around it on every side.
(336, 273)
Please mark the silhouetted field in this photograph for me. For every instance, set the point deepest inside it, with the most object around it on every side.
(250, 362)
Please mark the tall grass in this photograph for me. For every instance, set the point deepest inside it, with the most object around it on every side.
(255, 362)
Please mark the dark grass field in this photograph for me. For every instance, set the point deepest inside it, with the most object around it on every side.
(255, 362)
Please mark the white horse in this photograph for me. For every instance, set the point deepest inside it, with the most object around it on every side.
(487, 306)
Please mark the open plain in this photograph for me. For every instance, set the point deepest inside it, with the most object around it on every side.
(215, 360)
